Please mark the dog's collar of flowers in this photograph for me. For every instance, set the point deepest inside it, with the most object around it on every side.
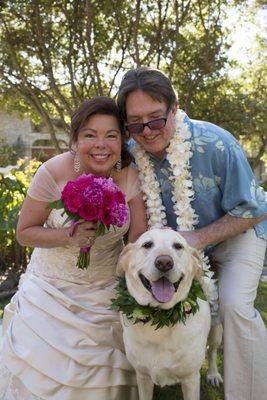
(157, 317)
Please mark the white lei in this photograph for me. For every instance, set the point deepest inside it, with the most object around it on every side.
(178, 155)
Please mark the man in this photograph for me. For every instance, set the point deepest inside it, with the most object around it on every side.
(182, 161)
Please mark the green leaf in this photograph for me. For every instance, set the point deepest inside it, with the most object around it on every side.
(138, 313)
(57, 204)
(68, 219)
(100, 230)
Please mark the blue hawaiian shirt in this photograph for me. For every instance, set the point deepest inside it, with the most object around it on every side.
(222, 179)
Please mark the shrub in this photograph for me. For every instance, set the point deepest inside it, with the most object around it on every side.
(264, 185)
(7, 153)
(10, 154)
(14, 181)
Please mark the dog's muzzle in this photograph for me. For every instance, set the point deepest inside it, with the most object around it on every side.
(164, 263)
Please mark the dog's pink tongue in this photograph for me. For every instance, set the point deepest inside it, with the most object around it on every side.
(162, 290)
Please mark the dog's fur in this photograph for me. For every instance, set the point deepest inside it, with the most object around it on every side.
(175, 354)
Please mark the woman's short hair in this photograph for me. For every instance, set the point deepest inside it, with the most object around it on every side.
(151, 81)
(103, 106)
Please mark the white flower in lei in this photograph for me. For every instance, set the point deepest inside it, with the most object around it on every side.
(178, 155)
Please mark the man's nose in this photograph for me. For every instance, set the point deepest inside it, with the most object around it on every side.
(146, 131)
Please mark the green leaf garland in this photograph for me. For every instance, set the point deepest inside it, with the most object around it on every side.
(135, 312)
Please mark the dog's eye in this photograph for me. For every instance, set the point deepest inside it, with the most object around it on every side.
(178, 246)
(147, 245)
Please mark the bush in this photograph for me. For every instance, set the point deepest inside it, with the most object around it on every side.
(14, 181)
(7, 153)
(264, 185)
(10, 154)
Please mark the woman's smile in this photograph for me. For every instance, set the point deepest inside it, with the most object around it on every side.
(100, 157)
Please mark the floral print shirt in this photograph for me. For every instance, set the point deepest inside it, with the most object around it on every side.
(222, 178)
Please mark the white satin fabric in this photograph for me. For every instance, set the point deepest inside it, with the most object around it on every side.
(61, 340)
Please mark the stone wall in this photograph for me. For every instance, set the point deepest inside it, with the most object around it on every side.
(14, 128)
(17, 130)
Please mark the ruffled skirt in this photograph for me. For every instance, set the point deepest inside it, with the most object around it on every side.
(61, 341)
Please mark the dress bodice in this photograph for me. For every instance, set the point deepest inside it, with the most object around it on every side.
(60, 262)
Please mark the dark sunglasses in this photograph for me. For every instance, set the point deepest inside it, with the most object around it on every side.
(139, 127)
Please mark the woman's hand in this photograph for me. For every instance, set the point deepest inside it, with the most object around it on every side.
(83, 234)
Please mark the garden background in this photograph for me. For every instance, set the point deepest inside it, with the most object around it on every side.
(55, 53)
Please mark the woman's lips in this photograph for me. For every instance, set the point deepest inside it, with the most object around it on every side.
(100, 157)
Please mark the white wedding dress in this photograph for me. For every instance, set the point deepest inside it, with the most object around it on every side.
(61, 340)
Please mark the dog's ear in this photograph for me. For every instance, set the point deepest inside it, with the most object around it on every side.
(124, 258)
(197, 263)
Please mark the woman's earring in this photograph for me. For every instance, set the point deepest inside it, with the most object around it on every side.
(76, 163)
(118, 164)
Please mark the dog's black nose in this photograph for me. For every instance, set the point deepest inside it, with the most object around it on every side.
(164, 263)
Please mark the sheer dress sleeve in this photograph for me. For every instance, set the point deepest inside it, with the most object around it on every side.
(43, 187)
(133, 184)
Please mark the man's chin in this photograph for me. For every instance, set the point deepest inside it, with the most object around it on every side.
(157, 151)
(156, 148)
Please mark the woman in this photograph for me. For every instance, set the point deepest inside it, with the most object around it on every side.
(61, 339)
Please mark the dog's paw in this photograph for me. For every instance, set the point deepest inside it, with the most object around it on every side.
(214, 379)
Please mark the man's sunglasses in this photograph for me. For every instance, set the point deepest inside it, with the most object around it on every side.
(139, 127)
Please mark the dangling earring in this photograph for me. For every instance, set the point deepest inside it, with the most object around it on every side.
(118, 164)
(76, 163)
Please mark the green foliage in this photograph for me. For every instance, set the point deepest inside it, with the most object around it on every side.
(3, 303)
(261, 303)
(125, 303)
(55, 54)
(238, 105)
(101, 229)
(13, 187)
(7, 153)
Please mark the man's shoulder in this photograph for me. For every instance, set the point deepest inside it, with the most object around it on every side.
(205, 128)
(210, 136)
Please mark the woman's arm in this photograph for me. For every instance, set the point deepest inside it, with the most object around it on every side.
(138, 218)
(30, 230)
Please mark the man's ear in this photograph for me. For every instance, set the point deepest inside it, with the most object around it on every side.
(124, 259)
(174, 107)
(197, 263)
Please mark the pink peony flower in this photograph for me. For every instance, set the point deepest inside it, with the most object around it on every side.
(95, 199)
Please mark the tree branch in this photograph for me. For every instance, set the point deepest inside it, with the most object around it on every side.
(89, 32)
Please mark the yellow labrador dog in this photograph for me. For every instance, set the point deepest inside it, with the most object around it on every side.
(159, 269)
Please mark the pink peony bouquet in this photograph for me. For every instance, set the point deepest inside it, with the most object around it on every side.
(95, 199)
